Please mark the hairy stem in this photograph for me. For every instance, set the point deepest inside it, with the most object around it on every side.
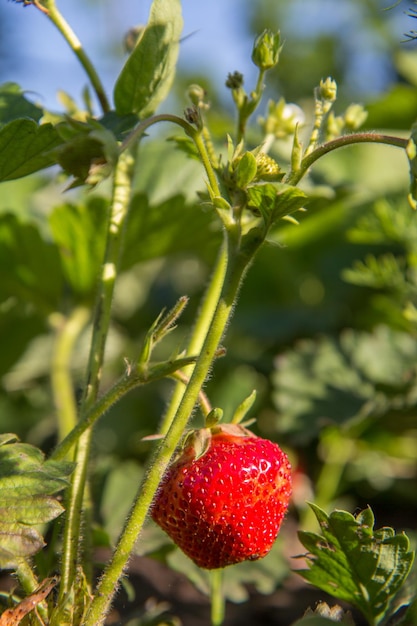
(101, 322)
(236, 268)
(129, 381)
(294, 177)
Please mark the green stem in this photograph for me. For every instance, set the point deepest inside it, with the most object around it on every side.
(29, 584)
(294, 177)
(217, 597)
(199, 333)
(129, 381)
(68, 331)
(71, 38)
(101, 322)
(101, 603)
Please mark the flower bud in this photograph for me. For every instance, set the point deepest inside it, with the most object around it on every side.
(234, 81)
(328, 89)
(266, 49)
(196, 94)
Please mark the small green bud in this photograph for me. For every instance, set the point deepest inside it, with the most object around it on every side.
(266, 49)
(328, 89)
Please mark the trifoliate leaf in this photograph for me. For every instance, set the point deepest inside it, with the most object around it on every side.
(147, 75)
(355, 563)
(28, 485)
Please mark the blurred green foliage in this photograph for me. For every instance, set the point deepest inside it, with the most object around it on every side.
(325, 326)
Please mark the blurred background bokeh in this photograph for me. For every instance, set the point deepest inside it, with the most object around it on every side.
(325, 327)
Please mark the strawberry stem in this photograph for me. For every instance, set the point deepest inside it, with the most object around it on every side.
(217, 597)
(238, 259)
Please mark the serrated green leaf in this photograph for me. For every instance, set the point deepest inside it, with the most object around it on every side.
(26, 147)
(79, 232)
(335, 381)
(355, 563)
(14, 105)
(275, 201)
(27, 486)
(36, 509)
(147, 75)
(25, 259)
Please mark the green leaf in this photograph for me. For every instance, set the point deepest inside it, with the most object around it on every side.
(26, 147)
(355, 563)
(28, 484)
(147, 75)
(79, 232)
(25, 260)
(245, 170)
(13, 105)
(336, 381)
(275, 201)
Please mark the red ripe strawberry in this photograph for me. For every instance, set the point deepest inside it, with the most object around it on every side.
(226, 505)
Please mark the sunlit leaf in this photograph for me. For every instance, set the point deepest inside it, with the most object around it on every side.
(147, 75)
(355, 563)
(275, 201)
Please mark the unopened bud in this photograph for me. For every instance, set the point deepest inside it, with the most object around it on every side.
(328, 89)
(234, 81)
(266, 49)
(196, 94)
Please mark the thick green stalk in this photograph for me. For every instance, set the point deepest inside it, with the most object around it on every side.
(71, 38)
(101, 322)
(67, 332)
(237, 265)
(217, 597)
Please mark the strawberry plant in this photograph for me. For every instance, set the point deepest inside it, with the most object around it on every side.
(82, 359)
